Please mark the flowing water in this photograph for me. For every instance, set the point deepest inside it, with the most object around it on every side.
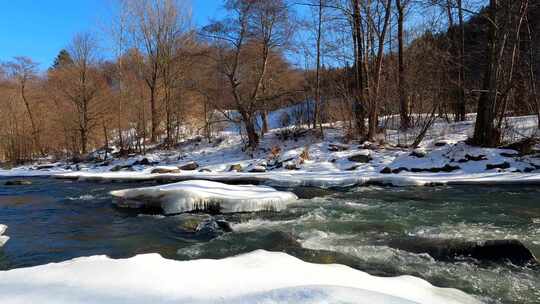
(54, 220)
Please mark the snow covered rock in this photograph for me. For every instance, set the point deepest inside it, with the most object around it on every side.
(3, 238)
(363, 156)
(256, 277)
(189, 166)
(256, 169)
(235, 167)
(443, 142)
(211, 196)
(122, 168)
(165, 170)
(419, 153)
(337, 147)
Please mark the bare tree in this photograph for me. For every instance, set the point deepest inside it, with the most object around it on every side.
(24, 70)
(155, 26)
(405, 121)
(505, 20)
(254, 30)
(80, 84)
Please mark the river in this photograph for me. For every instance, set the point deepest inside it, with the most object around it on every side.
(56, 220)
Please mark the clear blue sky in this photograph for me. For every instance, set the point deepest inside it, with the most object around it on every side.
(41, 28)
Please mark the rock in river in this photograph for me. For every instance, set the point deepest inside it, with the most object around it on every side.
(19, 182)
(498, 251)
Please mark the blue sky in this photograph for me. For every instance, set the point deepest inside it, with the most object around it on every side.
(41, 28)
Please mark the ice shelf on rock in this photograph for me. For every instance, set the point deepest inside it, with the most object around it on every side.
(256, 277)
(204, 195)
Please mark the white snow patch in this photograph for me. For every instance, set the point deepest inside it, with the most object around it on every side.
(3, 238)
(198, 194)
(257, 277)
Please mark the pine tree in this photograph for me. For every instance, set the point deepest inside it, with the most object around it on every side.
(62, 59)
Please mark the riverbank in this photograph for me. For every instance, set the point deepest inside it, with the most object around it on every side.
(442, 158)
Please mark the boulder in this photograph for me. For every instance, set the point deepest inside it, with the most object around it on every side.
(399, 170)
(164, 170)
(257, 169)
(446, 168)
(19, 182)
(337, 148)
(291, 166)
(419, 153)
(142, 162)
(504, 165)
(506, 154)
(386, 170)
(495, 251)
(469, 157)
(224, 225)
(449, 168)
(235, 167)
(121, 168)
(283, 239)
(369, 146)
(360, 158)
(189, 166)
(441, 143)
(195, 223)
(45, 167)
(191, 223)
(205, 170)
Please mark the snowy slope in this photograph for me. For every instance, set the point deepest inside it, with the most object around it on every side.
(257, 277)
(201, 195)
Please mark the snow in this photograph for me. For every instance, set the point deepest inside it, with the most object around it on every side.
(201, 195)
(150, 278)
(3, 238)
(444, 149)
(325, 180)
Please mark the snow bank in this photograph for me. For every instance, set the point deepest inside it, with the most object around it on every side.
(202, 195)
(325, 180)
(3, 238)
(257, 277)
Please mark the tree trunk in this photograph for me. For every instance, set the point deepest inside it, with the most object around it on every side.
(153, 113)
(461, 106)
(317, 113)
(35, 132)
(374, 107)
(264, 117)
(359, 108)
(253, 138)
(485, 133)
(403, 101)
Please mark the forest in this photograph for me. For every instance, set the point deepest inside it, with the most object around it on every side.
(161, 79)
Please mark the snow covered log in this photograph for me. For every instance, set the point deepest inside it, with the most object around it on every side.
(201, 195)
(257, 277)
(3, 238)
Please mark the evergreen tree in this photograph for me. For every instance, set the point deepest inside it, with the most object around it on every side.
(62, 59)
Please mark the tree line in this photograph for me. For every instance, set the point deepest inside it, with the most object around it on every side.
(362, 63)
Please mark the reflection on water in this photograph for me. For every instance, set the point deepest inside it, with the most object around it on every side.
(53, 220)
